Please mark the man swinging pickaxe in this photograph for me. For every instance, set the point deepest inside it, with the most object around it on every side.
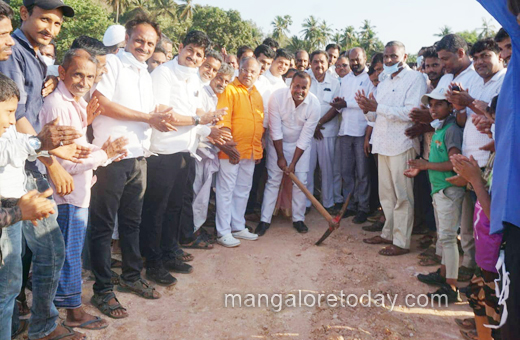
(333, 222)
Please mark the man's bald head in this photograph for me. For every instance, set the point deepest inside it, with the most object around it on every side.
(249, 71)
(357, 60)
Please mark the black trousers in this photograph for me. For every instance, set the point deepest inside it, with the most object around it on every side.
(511, 330)
(167, 206)
(423, 207)
(119, 191)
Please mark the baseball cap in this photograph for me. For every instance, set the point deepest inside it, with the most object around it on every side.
(51, 4)
(438, 94)
(114, 35)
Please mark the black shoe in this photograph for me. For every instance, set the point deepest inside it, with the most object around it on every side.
(261, 228)
(160, 276)
(338, 206)
(332, 210)
(376, 226)
(446, 293)
(361, 217)
(307, 210)
(349, 213)
(178, 266)
(434, 278)
(300, 227)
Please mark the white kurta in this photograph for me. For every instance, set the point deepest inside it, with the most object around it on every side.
(295, 126)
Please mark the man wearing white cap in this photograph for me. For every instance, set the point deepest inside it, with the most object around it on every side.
(114, 38)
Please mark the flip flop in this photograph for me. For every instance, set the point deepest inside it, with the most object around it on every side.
(70, 333)
(377, 240)
(90, 322)
(199, 243)
(393, 250)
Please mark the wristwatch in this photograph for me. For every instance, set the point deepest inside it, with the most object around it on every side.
(196, 120)
(35, 143)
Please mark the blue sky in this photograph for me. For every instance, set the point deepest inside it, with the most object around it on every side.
(414, 22)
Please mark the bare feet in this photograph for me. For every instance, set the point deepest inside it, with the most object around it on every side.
(79, 318)
(66, 333)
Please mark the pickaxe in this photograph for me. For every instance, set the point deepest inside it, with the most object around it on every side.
(333, 222)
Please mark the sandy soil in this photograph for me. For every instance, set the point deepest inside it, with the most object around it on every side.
(286, 262)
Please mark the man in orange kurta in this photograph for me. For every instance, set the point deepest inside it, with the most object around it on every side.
(238, 157)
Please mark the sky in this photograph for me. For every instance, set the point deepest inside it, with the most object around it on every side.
(413, 22)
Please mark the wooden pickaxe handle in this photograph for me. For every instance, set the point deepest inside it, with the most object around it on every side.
(313, 199)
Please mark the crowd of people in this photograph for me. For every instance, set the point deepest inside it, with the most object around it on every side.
(126, 147)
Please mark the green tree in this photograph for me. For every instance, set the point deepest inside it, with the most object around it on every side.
(368, 39)
(90, 19)
(349, 38)
(444, 30)
(166, 8)
(487, 30)
(295, 43)
(118, 6)
(225, 28)
(186, 10)
(281, 28)
(470, 36)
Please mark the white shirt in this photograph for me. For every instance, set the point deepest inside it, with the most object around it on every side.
(15, 151)
(294, 125)
(473, 139)
(326, 91)
(465, 78)
(267, 84)
(353, 121)
(208, 99)
(129, 84)
(396, 98)
(178, 87)
(332, 71)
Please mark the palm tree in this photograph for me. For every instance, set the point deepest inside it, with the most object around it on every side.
(186, 10)
(311, 30)
(296, 43)
(118, 6)
(349, 38)
(487, 29)
(445, 30)
(281, 27)
(165, 7)
(337, 37)
(324, 34)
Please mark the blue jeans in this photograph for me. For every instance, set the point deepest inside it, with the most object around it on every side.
(10, 275)
(48, 248)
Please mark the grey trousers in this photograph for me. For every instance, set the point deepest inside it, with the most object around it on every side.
(355, 172)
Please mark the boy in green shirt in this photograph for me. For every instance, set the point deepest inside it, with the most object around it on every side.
(447, 199)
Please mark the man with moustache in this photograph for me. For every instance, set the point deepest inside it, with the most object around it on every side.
(157, 59)
(342, 67)
(354, 164)
(503, 40)
(167, 216)
(302, 60)
(293, 116)
(209, 68)
(333, 53)
(127, 105)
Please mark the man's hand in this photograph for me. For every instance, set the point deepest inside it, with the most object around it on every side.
(72, 152)
(421, 115)
(35, 206)
(317, 133)
(460, 99)
(93, 110)
(367, 147)
(162, 120)
(366, 104)
(116, 150)
(231, 151)
(479, 107)
(483, 124)
(219, 136)
(282, 164)
(489, 147)
(53, 135)
(339, 103)
(290, 169)
(213, 117)
(419, 164)
(62, 180)
(411, 173)
(51, 82)
(417, 130)
(457, 181)
(467, 168)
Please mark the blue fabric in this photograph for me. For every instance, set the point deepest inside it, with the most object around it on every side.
(48, 253)
(28, 72)
(10, 275)
(506, 173)
(73, 224)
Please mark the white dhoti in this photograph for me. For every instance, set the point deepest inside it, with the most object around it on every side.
(204, 170)
(322, 151)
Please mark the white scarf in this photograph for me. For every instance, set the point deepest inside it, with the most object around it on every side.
(128, 58)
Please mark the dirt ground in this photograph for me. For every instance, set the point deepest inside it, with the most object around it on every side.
(285, 262)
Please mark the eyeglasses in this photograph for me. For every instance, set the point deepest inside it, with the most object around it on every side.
(342, 65)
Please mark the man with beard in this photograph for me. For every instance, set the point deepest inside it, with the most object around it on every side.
(294, 114)
(265, 55)
(354, 163)
(504, 42)
(208, 152)
(302, 60)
